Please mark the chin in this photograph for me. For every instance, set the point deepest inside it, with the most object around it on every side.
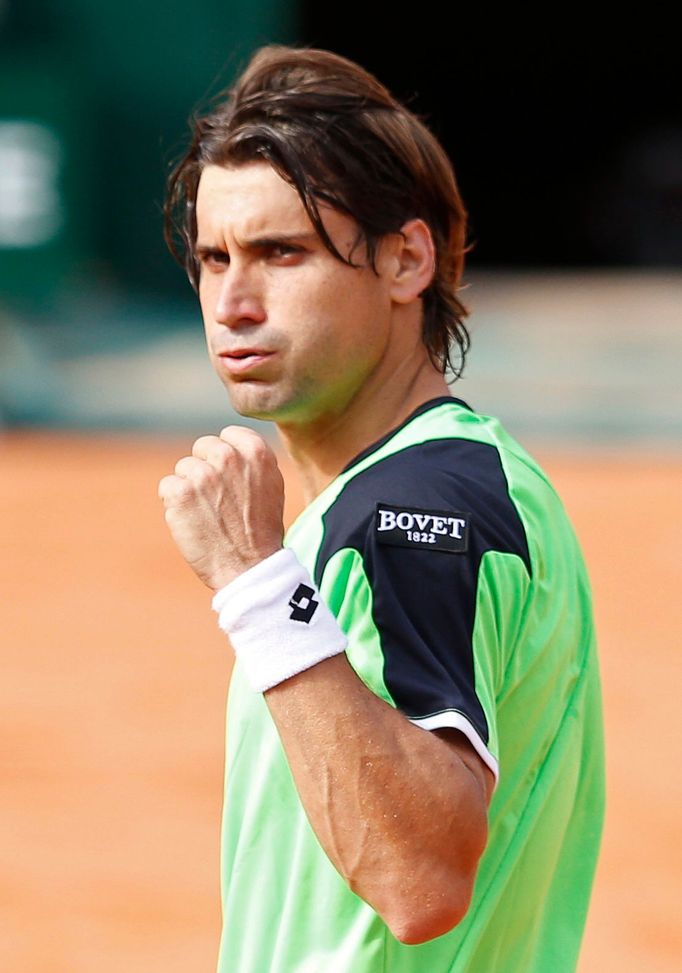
(257, 403)
(271, 401)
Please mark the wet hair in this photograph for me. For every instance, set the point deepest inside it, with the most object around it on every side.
(338, 136)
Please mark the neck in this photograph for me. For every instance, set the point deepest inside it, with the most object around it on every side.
(320, 449)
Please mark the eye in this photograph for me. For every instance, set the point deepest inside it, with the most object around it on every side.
(286, 253)
(213, 260)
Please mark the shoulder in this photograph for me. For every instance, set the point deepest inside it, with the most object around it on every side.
(454, 491)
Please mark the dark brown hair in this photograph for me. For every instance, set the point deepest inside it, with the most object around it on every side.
(338, 136)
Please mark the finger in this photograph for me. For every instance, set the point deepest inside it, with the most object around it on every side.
(244, 440)
(191, 467)
(217, 454)
(172, 489)
(239, 433)
(205, 446)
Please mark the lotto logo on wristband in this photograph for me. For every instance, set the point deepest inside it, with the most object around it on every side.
(302, 603)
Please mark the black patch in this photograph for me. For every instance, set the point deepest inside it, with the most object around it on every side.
(424, 607)
(429, 530)
(302, 603)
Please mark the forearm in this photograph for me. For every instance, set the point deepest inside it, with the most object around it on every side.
(398, 811)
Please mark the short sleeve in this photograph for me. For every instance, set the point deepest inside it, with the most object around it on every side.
(423, 606)
(407, 539)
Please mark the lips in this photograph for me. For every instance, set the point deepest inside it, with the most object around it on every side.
(239, 360)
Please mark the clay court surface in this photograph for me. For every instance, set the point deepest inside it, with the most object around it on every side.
(112, 707)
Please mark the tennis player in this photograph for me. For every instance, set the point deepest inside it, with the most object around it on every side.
(414, 767)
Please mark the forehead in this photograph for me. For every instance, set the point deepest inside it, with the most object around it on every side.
(247, 200)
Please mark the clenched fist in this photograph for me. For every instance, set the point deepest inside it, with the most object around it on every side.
(224, 505)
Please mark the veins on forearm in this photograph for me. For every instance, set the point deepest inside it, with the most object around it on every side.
(361, 806)
(348, 855)
(388, 801)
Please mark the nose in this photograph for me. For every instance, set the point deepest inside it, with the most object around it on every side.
(238, 297)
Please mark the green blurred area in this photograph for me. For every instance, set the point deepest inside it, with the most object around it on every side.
(94, 101)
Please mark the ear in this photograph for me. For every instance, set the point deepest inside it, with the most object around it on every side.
(415, 261)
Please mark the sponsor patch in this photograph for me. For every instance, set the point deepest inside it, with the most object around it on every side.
(429, 530)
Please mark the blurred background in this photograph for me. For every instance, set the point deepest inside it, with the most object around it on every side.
(567, 145)
(566, 138)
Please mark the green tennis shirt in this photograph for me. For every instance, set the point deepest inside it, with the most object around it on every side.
(450, 564)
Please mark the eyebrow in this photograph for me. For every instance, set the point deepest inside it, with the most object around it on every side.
(262, 243)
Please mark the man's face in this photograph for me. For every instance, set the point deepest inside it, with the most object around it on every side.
(292, 332)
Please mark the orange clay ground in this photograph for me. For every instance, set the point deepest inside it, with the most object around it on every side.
(112, 706)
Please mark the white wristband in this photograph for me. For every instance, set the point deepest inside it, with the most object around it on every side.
(277, 621)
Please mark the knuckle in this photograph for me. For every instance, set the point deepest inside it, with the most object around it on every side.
(202, 445)
(258, 445)
(239, 434)
(163, 487)
(220, 455)
(225, 449)
(251, 443)
(204, 475)
(222, 461)
(171, 516)
(171, 489)
(183, 489)
(198, 472)
(183, 465)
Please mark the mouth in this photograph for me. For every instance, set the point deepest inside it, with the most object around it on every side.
(243, 359)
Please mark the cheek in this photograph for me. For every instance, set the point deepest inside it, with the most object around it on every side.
(209, 287)
(329, 318)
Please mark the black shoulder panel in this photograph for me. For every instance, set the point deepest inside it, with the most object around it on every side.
(421, 520)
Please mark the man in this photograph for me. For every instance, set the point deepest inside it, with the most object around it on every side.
(423, 636)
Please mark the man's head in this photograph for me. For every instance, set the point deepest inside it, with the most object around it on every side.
(338, 137)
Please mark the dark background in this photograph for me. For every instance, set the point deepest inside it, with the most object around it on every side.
(566, 137)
